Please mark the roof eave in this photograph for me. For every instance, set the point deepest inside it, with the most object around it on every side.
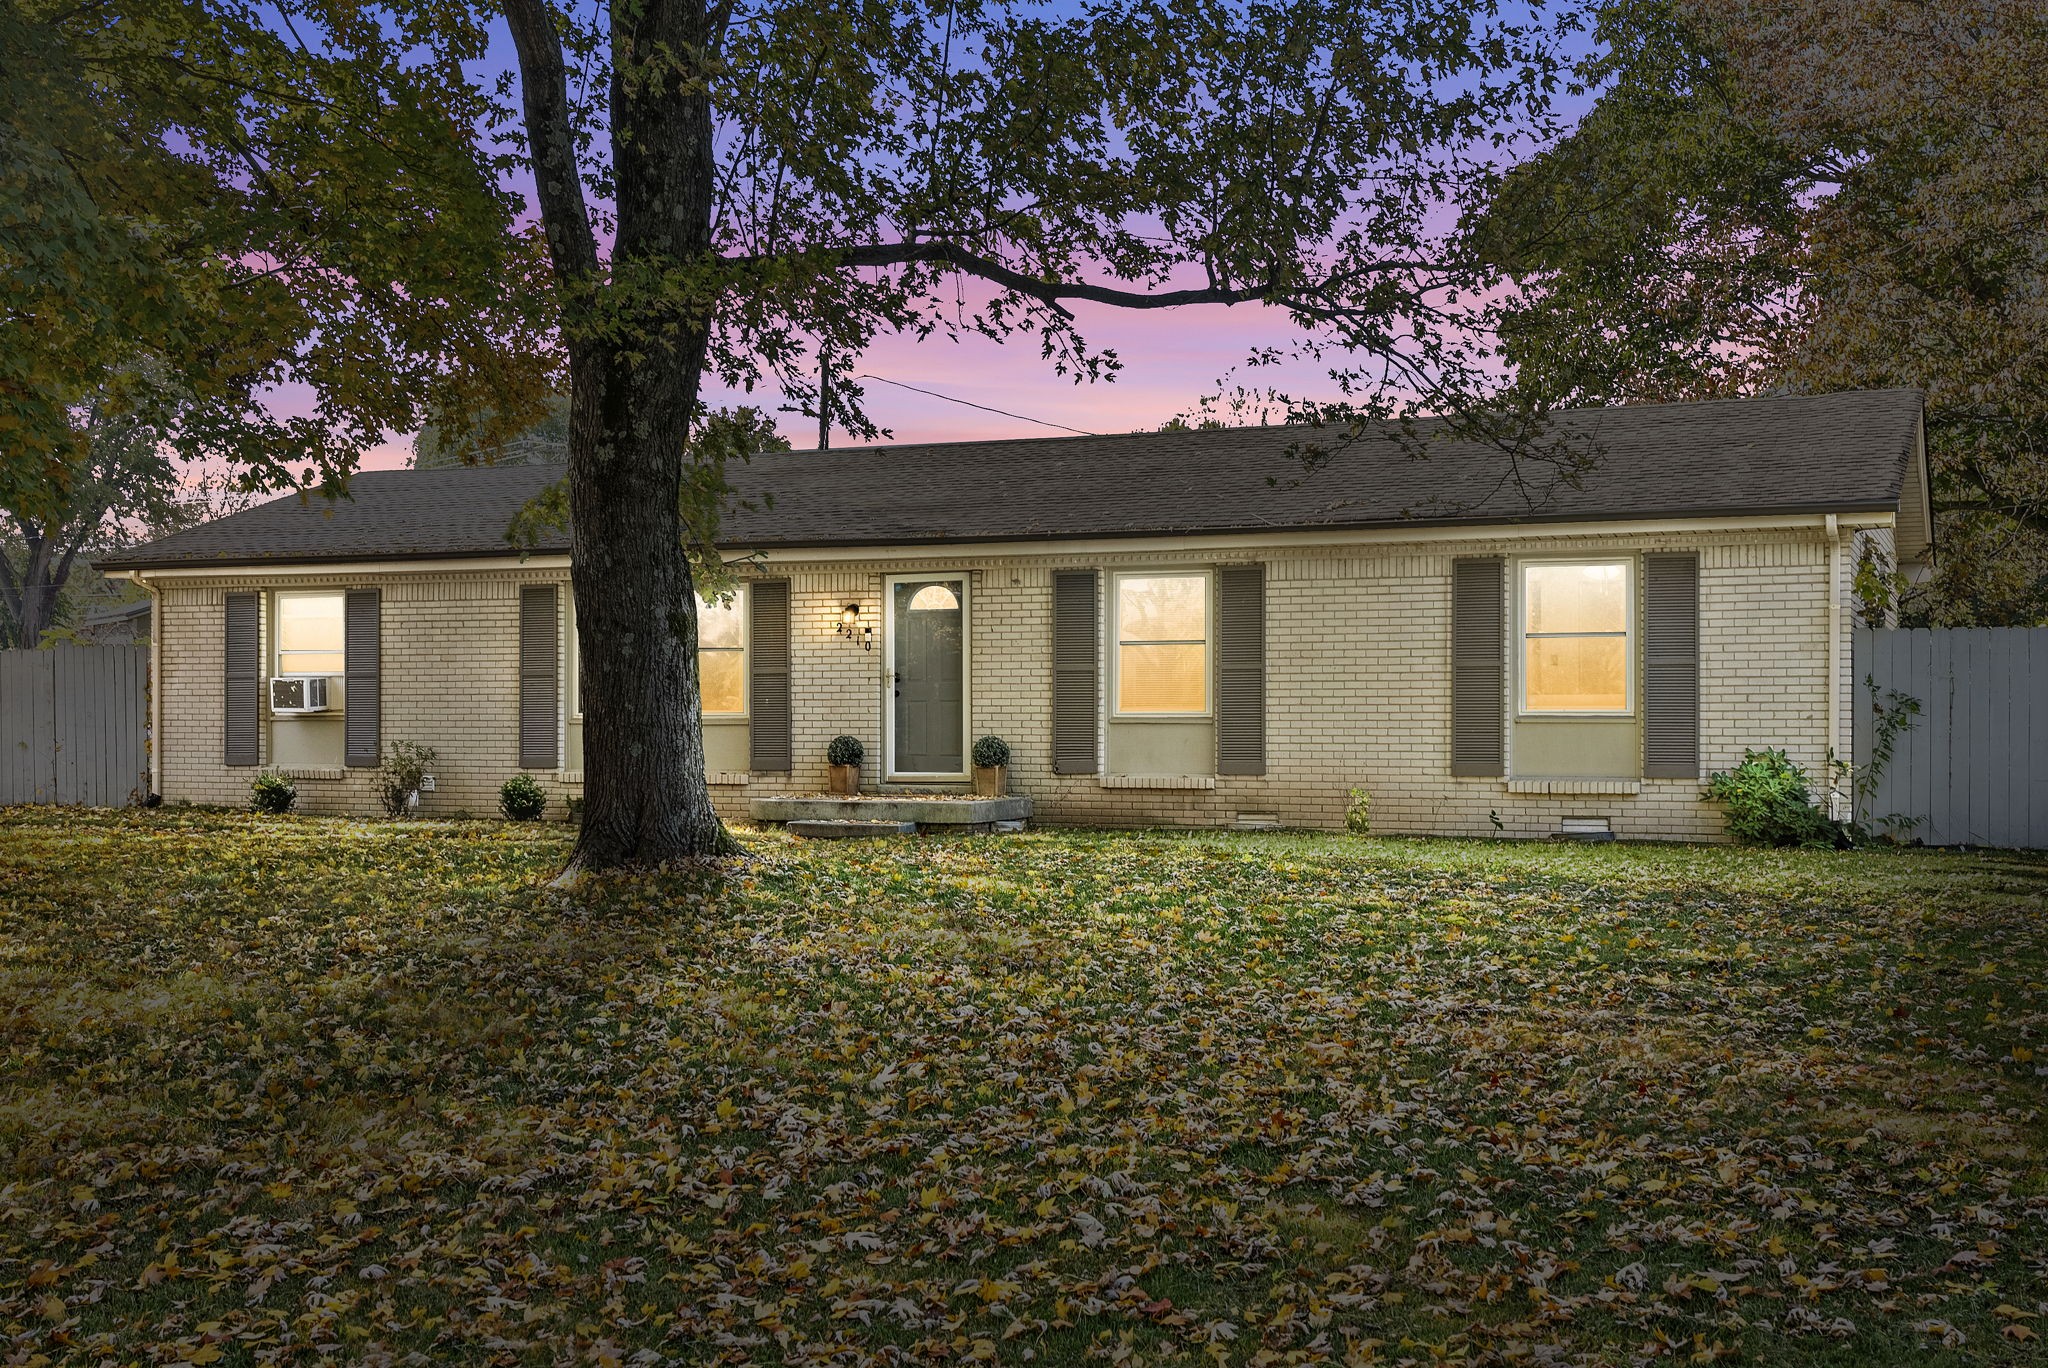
(334, 559)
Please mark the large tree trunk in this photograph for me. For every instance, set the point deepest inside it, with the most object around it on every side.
(636, 354)
(644, 795)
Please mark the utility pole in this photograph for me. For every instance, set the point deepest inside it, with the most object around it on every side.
(824, 398)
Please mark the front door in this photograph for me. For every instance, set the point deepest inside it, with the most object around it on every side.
(928, 658)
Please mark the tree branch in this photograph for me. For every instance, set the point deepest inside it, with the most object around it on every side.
(551, 140)
(1051, 293)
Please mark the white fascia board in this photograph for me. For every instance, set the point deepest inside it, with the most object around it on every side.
(1065, 548)
(1262, 541)
(348, 570)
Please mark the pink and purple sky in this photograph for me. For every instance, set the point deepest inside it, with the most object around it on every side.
(1171, 358)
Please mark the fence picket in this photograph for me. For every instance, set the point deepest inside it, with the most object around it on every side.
(71, 725)
(1972, 769)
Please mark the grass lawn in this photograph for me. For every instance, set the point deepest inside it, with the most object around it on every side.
(273, 1090)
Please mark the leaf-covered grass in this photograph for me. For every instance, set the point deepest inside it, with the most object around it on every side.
(285, 1089)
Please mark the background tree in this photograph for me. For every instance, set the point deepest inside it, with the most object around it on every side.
(543, 442)
(124, 484)
(196, 197)
(1813, 194)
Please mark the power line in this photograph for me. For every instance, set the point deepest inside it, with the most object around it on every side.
(983, 407)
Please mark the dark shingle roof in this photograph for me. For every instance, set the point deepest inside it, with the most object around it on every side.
(1788, 454)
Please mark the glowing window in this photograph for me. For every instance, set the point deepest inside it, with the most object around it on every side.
(311, 634)
(934, 598)
(1162, 644)
(722, 655)
(1575, 637)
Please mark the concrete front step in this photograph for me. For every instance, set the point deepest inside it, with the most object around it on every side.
(930, 813)
(838, 831)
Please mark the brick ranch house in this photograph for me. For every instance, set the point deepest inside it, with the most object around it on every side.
(1179, 628)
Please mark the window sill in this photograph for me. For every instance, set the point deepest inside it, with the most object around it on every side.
(1565, 786)
(319, 773)
(1158, 781)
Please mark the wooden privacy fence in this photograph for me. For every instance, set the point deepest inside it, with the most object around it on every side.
(1972, 767)
(72, 726)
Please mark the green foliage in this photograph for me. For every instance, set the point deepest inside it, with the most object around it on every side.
(845, 750)
(199, 191)
(1891, 716)
(522, 799)
(399, 777)
(1770, 803)
(991, 752)
(273, 793)
(1772, 197)
(392, 1057)
(1358, 812)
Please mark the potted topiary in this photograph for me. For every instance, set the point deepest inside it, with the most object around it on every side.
(844, 754)
(991, 766)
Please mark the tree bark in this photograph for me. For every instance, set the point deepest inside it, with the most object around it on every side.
(635, 361)
(645, 799)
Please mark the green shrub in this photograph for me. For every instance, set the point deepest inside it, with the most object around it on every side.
(273, 793)
(1358, 813)
(991, 752)
(400, 776)
(845, 750)
(523, 799)
(1770, 803)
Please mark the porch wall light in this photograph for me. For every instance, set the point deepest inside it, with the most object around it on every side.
(851, 627)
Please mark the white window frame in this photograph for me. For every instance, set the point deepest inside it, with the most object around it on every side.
(572, 661)
(745, 650)
(1628, 635)
(277, 652)
(962, 580)
(1208, 643)
(573, 665)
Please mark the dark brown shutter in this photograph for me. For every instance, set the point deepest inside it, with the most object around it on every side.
(1478, 650)
(1671, 666)
(540, 675)
(770, 747)
(1241, 669)
(362, 666)
(1076, 673)
(242, 733)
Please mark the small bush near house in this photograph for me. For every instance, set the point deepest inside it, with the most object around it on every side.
(1358, 813)
(845, 750)
(522, 798)
(273, 793)
(991, 752)
(401, 774)
(1770, 803)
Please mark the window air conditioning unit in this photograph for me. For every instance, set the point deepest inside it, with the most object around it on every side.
(298, 694)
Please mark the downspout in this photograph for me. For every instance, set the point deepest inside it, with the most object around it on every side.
(1834, 709)
(156, 685)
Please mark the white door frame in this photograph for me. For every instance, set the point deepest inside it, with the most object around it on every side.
(959, 579)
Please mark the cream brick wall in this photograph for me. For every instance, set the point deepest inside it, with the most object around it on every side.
(1357, 683)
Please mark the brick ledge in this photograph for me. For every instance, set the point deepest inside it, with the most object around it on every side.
(716, 778)
(1159, 781)
(315, 772)
(1615, 786)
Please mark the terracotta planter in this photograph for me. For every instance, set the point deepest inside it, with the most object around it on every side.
(846, 779)
(990, 781)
